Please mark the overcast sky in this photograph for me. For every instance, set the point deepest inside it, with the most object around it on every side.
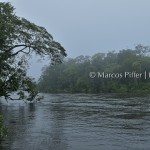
(90, 26)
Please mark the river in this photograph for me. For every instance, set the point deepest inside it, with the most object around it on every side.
(78, 122)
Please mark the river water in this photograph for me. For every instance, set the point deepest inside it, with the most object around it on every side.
(78, 122)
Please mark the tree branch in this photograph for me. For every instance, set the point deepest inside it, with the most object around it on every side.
(22, 50)
(15, 46)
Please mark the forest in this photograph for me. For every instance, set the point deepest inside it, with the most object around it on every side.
(100, 73)
(31, 119)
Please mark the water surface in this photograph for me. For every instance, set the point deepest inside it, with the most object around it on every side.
(78, 122)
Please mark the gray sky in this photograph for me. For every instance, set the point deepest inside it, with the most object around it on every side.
(90, 26)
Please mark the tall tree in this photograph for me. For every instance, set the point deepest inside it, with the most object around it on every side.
(19, 38)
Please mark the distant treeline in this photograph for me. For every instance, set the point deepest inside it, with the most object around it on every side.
(115, 72)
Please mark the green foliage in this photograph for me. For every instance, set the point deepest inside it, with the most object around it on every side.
(3, 129)
(19, 38)
(73, 75)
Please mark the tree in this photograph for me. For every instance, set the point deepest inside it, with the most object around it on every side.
(73, 74)
(19, 39)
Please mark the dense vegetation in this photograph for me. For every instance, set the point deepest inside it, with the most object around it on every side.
(3, 129)
(19, 39)
(109, 73)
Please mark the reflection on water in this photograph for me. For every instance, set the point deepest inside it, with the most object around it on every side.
(78, 122)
